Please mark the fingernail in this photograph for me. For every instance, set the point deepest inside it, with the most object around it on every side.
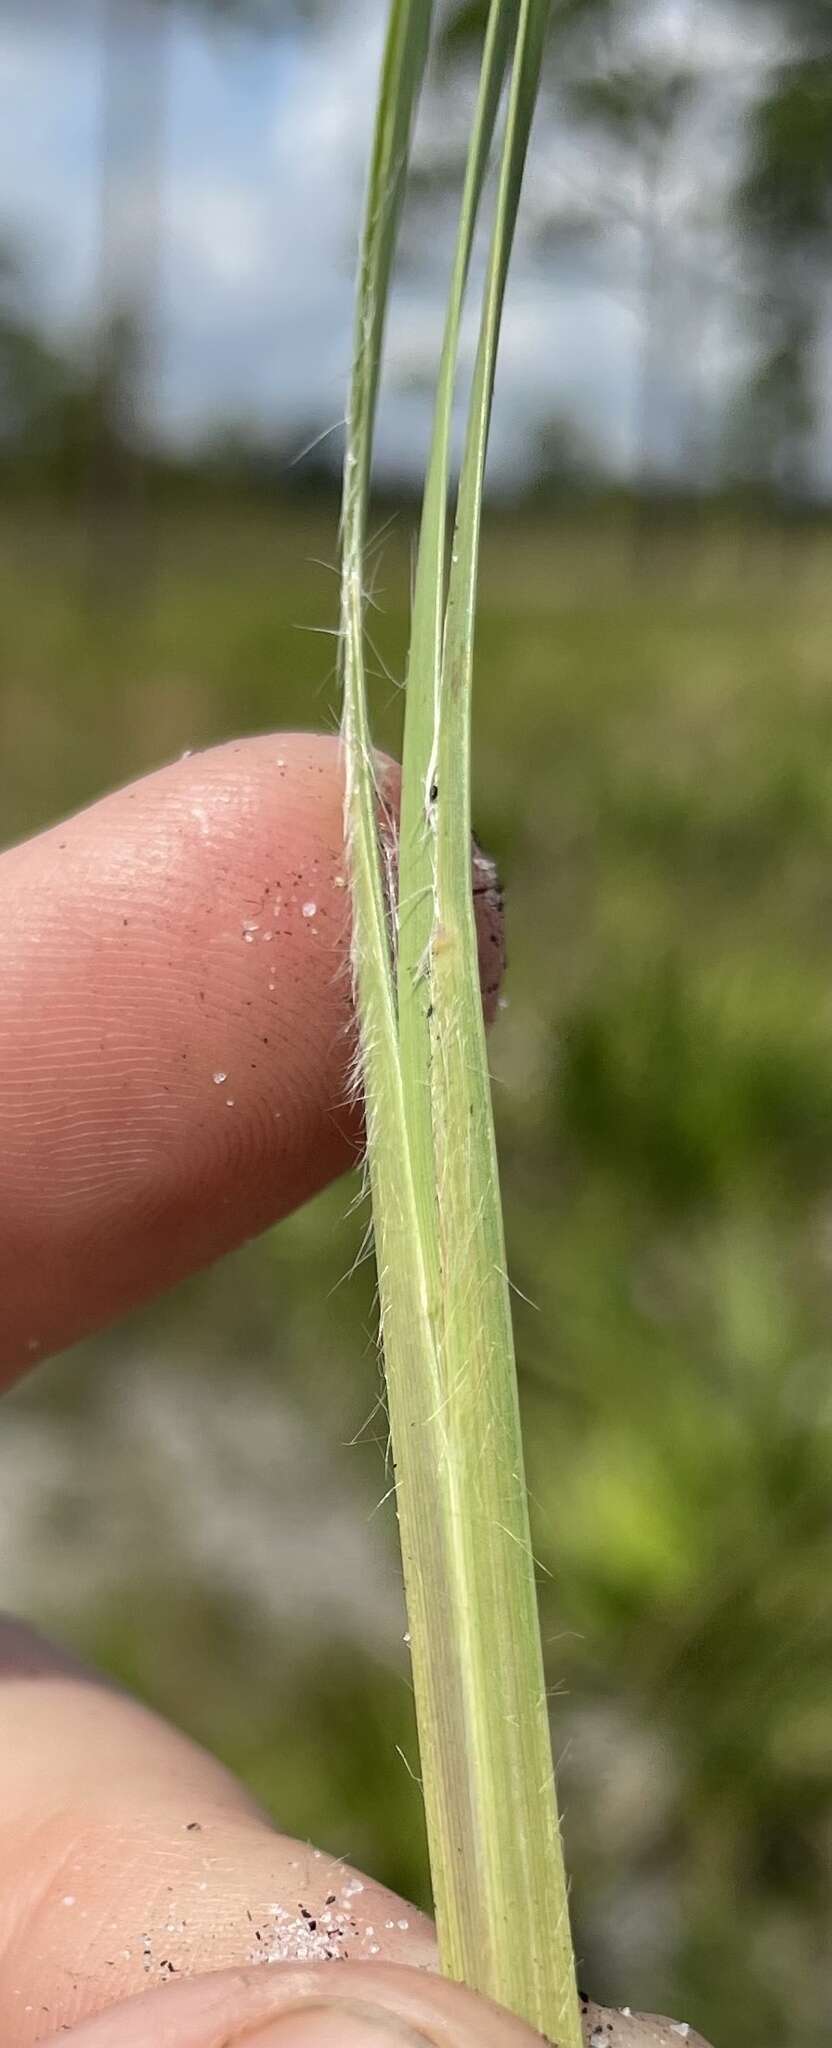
(337, 2023)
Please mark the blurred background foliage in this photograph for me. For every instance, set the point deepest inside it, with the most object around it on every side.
(194, 1499)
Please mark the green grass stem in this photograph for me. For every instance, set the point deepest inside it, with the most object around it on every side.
(493, 1834)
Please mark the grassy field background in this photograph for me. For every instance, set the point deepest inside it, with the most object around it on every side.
(193, 1498)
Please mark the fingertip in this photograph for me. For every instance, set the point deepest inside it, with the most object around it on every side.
(344, 2005)
(177, 1034)
(175, 1031)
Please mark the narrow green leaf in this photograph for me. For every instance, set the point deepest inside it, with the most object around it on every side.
(477, 1671)
(520, 1857)
(403, 66)
(416, 852)
(407, 1327)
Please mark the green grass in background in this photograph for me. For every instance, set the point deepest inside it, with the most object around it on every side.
(654, 774)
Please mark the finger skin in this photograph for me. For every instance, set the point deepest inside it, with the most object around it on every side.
(128, 978)
(176, 1029)
(231, 2009)
(130, 1859)
(234, 2009)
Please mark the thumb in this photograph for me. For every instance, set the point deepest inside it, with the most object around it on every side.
(345, 2005)
(328, 2005)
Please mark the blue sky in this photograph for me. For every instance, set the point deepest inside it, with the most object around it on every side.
(262, 169)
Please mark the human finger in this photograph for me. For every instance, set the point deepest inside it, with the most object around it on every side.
(175, 1029)
(357, 2006)
(131, 1859)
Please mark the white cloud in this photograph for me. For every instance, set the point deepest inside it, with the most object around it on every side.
(258, 261)
(216, 236)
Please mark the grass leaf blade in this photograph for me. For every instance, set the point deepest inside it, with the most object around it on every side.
(416, 850)
(522, 1869)
(486, 1767)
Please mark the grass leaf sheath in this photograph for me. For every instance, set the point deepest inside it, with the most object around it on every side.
(494, 1841)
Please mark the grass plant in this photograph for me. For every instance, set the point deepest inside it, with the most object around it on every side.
(493, 1833)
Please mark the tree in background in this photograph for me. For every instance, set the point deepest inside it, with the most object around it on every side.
(135, 44)
(701, 184)
(133, 81)
(683, 173)
(784, 212)
(46, 403)
(31, 375)
(633, 189)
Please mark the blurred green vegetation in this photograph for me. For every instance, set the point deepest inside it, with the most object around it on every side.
(654, 775)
